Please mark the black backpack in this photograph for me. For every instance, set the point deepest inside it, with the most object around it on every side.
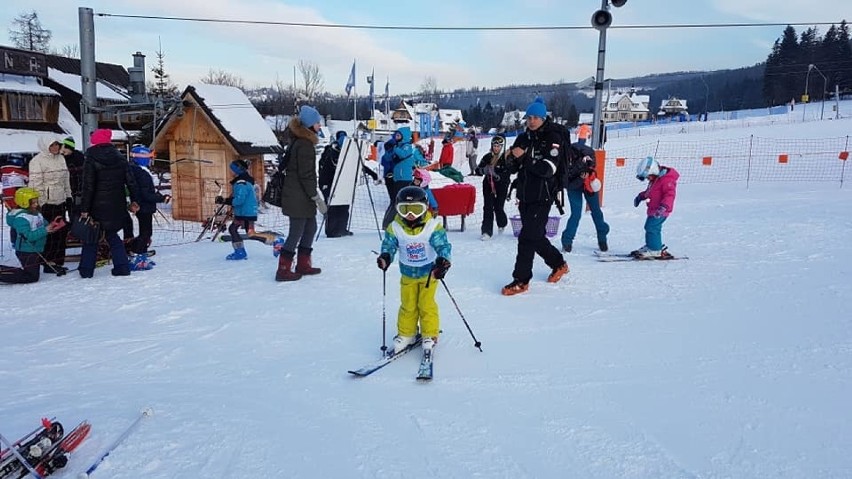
(272, 195)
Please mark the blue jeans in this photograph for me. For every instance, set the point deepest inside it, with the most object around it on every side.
(575, 200)
(654, 232)
(88, 255)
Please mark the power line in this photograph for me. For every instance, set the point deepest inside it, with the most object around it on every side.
(445, 28)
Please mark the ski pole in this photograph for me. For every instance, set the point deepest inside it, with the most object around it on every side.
(20, 457)
(145, 413)
(477, 344)
(384, 315)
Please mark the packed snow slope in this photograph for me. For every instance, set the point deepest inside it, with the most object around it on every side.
(734, 363)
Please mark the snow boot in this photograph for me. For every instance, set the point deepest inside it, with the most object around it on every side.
(140, 262)
(402, 342)
(239, 251)
(285, 266)
(557, 273)
(303, 263)
(429, 342)
(515, 287)
(603, 246)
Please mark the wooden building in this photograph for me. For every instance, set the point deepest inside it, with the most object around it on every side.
(215, 126)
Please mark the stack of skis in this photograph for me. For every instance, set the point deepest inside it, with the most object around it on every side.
(42, 451)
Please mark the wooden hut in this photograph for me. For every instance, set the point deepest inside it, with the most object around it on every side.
(216, 125)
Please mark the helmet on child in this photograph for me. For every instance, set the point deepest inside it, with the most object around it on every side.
(647, 167)
(141, 155)
(411, 204)
(423, 176)
(24, 195)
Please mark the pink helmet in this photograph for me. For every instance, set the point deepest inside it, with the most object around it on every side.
(423, 176)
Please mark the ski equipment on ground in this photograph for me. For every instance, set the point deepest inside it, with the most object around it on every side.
(385, 360)
(425, 371)
(145, 413)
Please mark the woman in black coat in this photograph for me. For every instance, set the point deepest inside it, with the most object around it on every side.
(106, 178)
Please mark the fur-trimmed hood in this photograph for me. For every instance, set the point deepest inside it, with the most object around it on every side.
(297, 130)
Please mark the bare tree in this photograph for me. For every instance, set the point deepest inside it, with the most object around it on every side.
(429, 88)
(70, 50)
(312, 78)
(221, 77)
(27, 33)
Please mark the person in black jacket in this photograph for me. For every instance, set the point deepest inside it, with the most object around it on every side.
(148, 199)
(495, 187)
(106, 177)
(535, 155)
(338, 216)
(74, 161)
(579, 169)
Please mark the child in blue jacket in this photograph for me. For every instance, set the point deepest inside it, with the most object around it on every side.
(424, 260)
(30, 234)
(244, 203)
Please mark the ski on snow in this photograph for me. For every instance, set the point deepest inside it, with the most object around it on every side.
(384, 361)
(45, 450)
(617, 257)
(425, 371)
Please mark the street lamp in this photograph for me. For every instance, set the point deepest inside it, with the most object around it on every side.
(601, 20)
(824, 86)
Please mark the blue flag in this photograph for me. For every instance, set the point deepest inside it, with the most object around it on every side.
(351, 83)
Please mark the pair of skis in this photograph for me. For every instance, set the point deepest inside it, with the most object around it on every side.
(424, 372)
(41, 452)
(618, 257)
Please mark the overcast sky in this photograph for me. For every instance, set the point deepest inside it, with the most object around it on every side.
(455, 59)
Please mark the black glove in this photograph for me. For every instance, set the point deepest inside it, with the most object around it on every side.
(442, 265)
(69, 204)
(639, 199)
(383, 261)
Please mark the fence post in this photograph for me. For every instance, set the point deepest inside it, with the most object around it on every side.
(748, 170)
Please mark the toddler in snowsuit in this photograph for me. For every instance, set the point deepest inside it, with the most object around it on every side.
(660, 194)
(424, 259)
(244, 203)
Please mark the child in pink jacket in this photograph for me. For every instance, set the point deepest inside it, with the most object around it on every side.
(660, 194)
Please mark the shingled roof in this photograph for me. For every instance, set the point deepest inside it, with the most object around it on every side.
(108, 72)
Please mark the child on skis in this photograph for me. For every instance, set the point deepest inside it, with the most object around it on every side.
(660, 194)
(29, 230)
(424, 259)
(148, 198)
(244, 203)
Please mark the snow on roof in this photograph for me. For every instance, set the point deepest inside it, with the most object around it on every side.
(22, 141)
(236, 114)
(24, 84)
(73, 83)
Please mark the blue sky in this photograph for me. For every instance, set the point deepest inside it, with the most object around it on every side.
(260, 54)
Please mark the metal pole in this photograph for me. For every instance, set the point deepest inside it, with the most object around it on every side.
(805, 103)
(598, 124)
(88, 76)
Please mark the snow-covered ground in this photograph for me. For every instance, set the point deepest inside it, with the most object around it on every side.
(735, 363)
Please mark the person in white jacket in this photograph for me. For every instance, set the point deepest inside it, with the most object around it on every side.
(50, 178)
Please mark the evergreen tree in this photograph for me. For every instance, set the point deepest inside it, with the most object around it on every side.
(162, 86)
(27, 33)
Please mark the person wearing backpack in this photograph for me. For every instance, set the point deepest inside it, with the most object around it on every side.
(300, 198)
(580, 181)
(536, 157)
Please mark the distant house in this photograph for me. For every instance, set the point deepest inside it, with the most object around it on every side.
(448, 119)
(626, 107)
(673, 107)
(216, 125)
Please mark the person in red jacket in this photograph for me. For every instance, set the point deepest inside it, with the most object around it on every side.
(447, 152)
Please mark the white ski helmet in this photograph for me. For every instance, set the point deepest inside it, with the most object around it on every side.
(646, 168)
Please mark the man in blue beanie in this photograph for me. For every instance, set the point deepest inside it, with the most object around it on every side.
(535, 156)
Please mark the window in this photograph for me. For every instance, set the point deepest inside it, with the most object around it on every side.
(23, 107)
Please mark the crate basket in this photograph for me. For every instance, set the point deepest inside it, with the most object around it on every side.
(551, 230)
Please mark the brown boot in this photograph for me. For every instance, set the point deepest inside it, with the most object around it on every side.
(285, 265)
(303, 262)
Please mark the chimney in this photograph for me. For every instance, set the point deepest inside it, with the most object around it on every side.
(137, 79)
